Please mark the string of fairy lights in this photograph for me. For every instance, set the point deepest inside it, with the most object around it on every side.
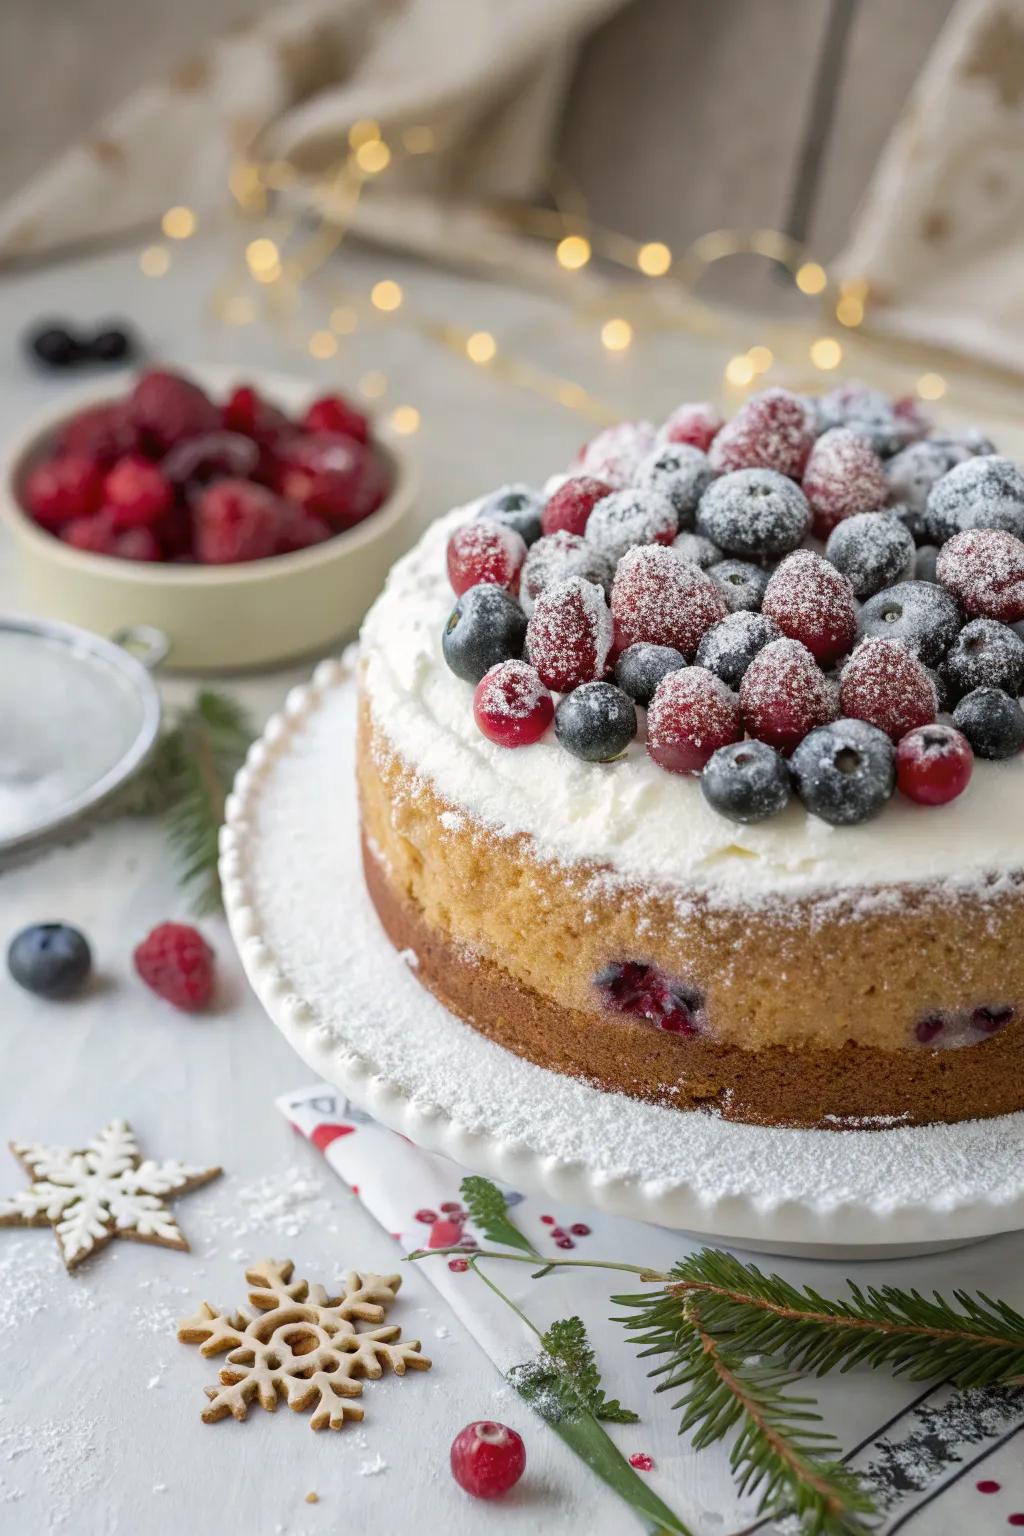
(282, 248)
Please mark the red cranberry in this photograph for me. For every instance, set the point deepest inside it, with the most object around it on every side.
(334, 414)
(662, 599)
(487, 1459)
(548, 1220)
(926, 1029)
(770, 431)
(511, 705)
(299, 529)
(642, 1461)
(569, 634)
(60, 489)
(452, 1208)
(645, 992)
(697, 424)
(580, 1229)
(812, 602)
(427, 1217)
(485, 551)
(458, 1266)
(933, 764)
(235, 521)
(692, 714)
(331, 476)
(991, 1020)
(885, 685)
(571, 505)
(445, 1233)
(844, 475)
(137, 544)
(166, 408)
(95, 535)
(983, 568)
(136, 492)
(784, 694)
(564, 1242)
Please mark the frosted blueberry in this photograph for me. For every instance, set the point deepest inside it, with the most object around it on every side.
(680, 472)
(992, 722)
(519, 507)
(983, 492)
(641, 668)
(697, 549)
(485, 626)
(754, 513)
(746, 781)
(740, 583)
(845, 772)
(729, 648)
(596, 722)
(985, 654)
(923, 616)
(872, 549)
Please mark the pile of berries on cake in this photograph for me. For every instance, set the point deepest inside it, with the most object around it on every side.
(821, 596)
(167, 473)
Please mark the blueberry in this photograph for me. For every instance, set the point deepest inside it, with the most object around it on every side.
(740, 583)
(923, 616)
(845, 772)
(913, 471)
(112, 344)
(485, 626)
(597, 722)
(54, 346)
(746, 781)
(729, 647)
(983, 492)
(641, 668)
(872, 549)
(992, 722)
(870, 413)
(924, 563)
(985, 654)
(50, 959)
(754, 512)
(680, 472)
(697, 549)
(963, 444)
(518, 507)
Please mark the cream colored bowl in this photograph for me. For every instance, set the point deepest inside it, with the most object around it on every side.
(215, 617)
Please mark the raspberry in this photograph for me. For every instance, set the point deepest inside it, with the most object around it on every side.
(556, 556)
(614, 455)
(166, 408)
(103, 432)
(697, 424)
(784, 694)
(629, 518)
(511, 705)
(299, 529)
(332, 477)
(933, 764)
(754, 513)
(984, 570)
(235, 521)
(176, 963)
(60, 489)
(692, 714)
(483, 551)
(569, 634)
(887, 686)
(663, 600)
(246, 411)
(571, 505)
(135, 492)
(812, 602)
(332, 413)
(487, 1459)
(843, 475)
(771, 430)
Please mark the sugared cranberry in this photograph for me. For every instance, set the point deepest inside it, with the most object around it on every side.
(697, 423)
(933, 764)
(925, 1030)
(991, 1020)
(511, 705)
(628, 518)
(784, 695)
(571, 505)
(645, 992)
(615, 454)
(661, 599)
(843, 476)
(166, 408)
(692, 714)
(61, 489)
(136, 492)
(569, 634)
(487, 1459)
(332, 413)
(770, 431)
(235, 521)
(887, 686)
(983, 568)
(331, 476)
(812, 602)
(483, 551)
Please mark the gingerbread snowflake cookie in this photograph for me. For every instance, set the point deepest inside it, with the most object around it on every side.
(302, 1344)
(104, 1191)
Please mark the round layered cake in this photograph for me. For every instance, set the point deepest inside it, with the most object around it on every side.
(697, 774)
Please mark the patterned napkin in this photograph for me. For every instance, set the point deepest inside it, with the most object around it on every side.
(942, 1461)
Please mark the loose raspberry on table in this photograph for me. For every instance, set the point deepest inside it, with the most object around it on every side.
(166, 408)
(784, 695)
(697, 423)
(812, 602)
(236, 521)
(920, 614)
(333, 477)
(61, 489)
(982, 492)
(887, 686)
(933, 764)
(754, 514)
(615, 454)
(772, 430)
(177, 964)
(568, 509)
(629, 518)
(983, 568)
(680, 472)
(844, 475)
(872, 549)
(658, 598)
(569, 635)
(101, 432)
(487, 1459)
(511, 705)
(692, 714)
(556, 556)
(136, 492)
(484, 551)
(332, 413)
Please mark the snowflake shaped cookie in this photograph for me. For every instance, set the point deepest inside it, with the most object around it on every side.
(302, 1345)
(106, 1190)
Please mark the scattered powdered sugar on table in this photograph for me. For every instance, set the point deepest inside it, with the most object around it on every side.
(64, 1455)
(300, 869)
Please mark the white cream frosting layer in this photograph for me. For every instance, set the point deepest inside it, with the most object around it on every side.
(633, 817)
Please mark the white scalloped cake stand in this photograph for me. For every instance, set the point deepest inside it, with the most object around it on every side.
(351, 1006)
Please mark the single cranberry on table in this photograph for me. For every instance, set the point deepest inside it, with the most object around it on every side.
(933, 764)
(176, 963)
(511, 705)
(484, 551)
(487, 1459)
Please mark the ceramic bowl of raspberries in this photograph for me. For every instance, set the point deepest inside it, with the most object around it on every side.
(247, 516)
(820, 601)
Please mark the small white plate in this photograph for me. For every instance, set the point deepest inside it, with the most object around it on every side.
(216, 618)
(319, 961)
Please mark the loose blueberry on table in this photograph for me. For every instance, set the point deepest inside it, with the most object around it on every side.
(53, 960)
(786, 604)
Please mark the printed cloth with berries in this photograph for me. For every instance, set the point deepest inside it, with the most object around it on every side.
(941, 1461)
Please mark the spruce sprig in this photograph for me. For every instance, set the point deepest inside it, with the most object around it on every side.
(568, 1371)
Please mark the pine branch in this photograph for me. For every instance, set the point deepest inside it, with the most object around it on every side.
(570, 1372)
(489, 1209)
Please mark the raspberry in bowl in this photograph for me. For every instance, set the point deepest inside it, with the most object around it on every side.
(251, 517)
